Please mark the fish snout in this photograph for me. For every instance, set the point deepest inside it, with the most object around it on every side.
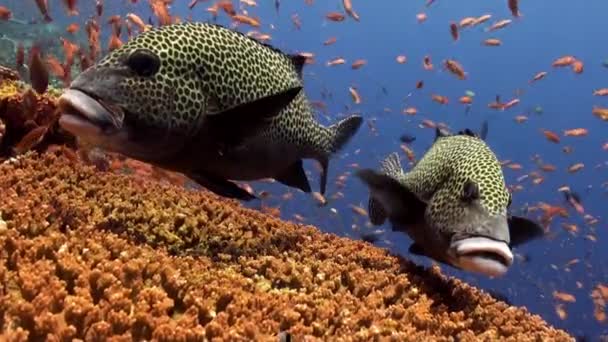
(482, 255)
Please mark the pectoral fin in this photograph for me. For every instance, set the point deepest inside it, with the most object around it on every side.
(233, 125)
(222, 187)
(295, 177)
(522, 230)
(397, 201)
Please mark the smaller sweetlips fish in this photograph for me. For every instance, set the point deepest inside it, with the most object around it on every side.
(205, 101)
(453, 204)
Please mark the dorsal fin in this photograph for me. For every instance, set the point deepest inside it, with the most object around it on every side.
(298, 62)
(440, 133)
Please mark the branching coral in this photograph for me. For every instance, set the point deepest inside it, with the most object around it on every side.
(91, 255)
(27, 120)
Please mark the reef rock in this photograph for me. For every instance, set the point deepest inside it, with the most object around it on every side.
(93, 255)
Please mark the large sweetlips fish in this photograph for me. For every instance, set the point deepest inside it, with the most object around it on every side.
(206, 101)
(454, 204)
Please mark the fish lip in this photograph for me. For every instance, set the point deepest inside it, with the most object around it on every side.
(483, 255)
(81, 108)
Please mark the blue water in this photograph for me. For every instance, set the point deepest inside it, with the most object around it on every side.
(530, 44)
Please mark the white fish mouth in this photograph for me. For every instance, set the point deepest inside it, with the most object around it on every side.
(483, 255)
(84, 115)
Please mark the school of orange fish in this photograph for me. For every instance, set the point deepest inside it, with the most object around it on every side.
(41, 66)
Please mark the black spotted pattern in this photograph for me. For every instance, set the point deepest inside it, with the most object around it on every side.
(206, 68)
(439, 178)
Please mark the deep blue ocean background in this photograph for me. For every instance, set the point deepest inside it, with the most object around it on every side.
(547, 30)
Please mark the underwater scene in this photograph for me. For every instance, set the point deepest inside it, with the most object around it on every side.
(303, 170)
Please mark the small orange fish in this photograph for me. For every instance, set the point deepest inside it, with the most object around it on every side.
(466, 100)
(440, 99)
(564, 61)
(600, 112)
(576, 132)
(421, 17)
(551, 136)
(355, 95)
(358, 63)
(466, 22)
(137, 21)
(31, 139)
(401, 59)
(455, 68)
(244, 19)
(521, 118)
(492, 42)
(426, 63)
(55, 66)
(72, 28)
(39, 74)
(358, 210)
(548, 167)
(577, 66)
(348, 8)
(514, 8)
(114, 42)
(321, 200)
(336, 61)
(408, 152)
(482, 19)
(454, 31)
(99, 7)
(514, 166)
(335, 16)
(576, 167)
(428, 124)
(5, 13)
(410, 111)
(227, 7)
(160, 10)
(539, 76)
(330, 41)
(510, 104)
(600, 92)
(71, 7)
(43, 6)
(499, 25)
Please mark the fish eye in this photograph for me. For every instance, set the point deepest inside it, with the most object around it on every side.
(470, 191)
(144, 62)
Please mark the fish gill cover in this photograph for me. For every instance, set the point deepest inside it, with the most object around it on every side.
(407, 68)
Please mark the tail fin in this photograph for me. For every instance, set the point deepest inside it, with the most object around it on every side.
(391, 166)
(339, 135)
(343, 131)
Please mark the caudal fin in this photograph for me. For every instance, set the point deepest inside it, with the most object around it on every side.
(339, 135)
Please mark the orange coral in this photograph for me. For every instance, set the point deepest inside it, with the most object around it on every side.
(27, 120)
(93, 255)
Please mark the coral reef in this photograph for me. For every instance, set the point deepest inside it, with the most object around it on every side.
(27, 120)
(92, 255)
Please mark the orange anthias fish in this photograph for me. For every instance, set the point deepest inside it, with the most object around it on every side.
(492, 42)
(72, 28)
(401, 59)
(514, 8)
(160, 10)
(5, 13)
(455, 68)
(43, 6)
(336, 61)
(244, 19)
(466, 22)
(114, 42)
(576, 132)
(330, 41)
(466, 100)
(539, 76)
(600, 92)
(137, 21)
(551, 136)
(39, 74)
(426, 63)
(440, 99)
(335, 16)
(564, 61)
(71, 7)
(355, 95)
(348, 8)
(454, 31)
(358, 64)
(577, 66)
(421, 17)
(499, 25)
(600, 112)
